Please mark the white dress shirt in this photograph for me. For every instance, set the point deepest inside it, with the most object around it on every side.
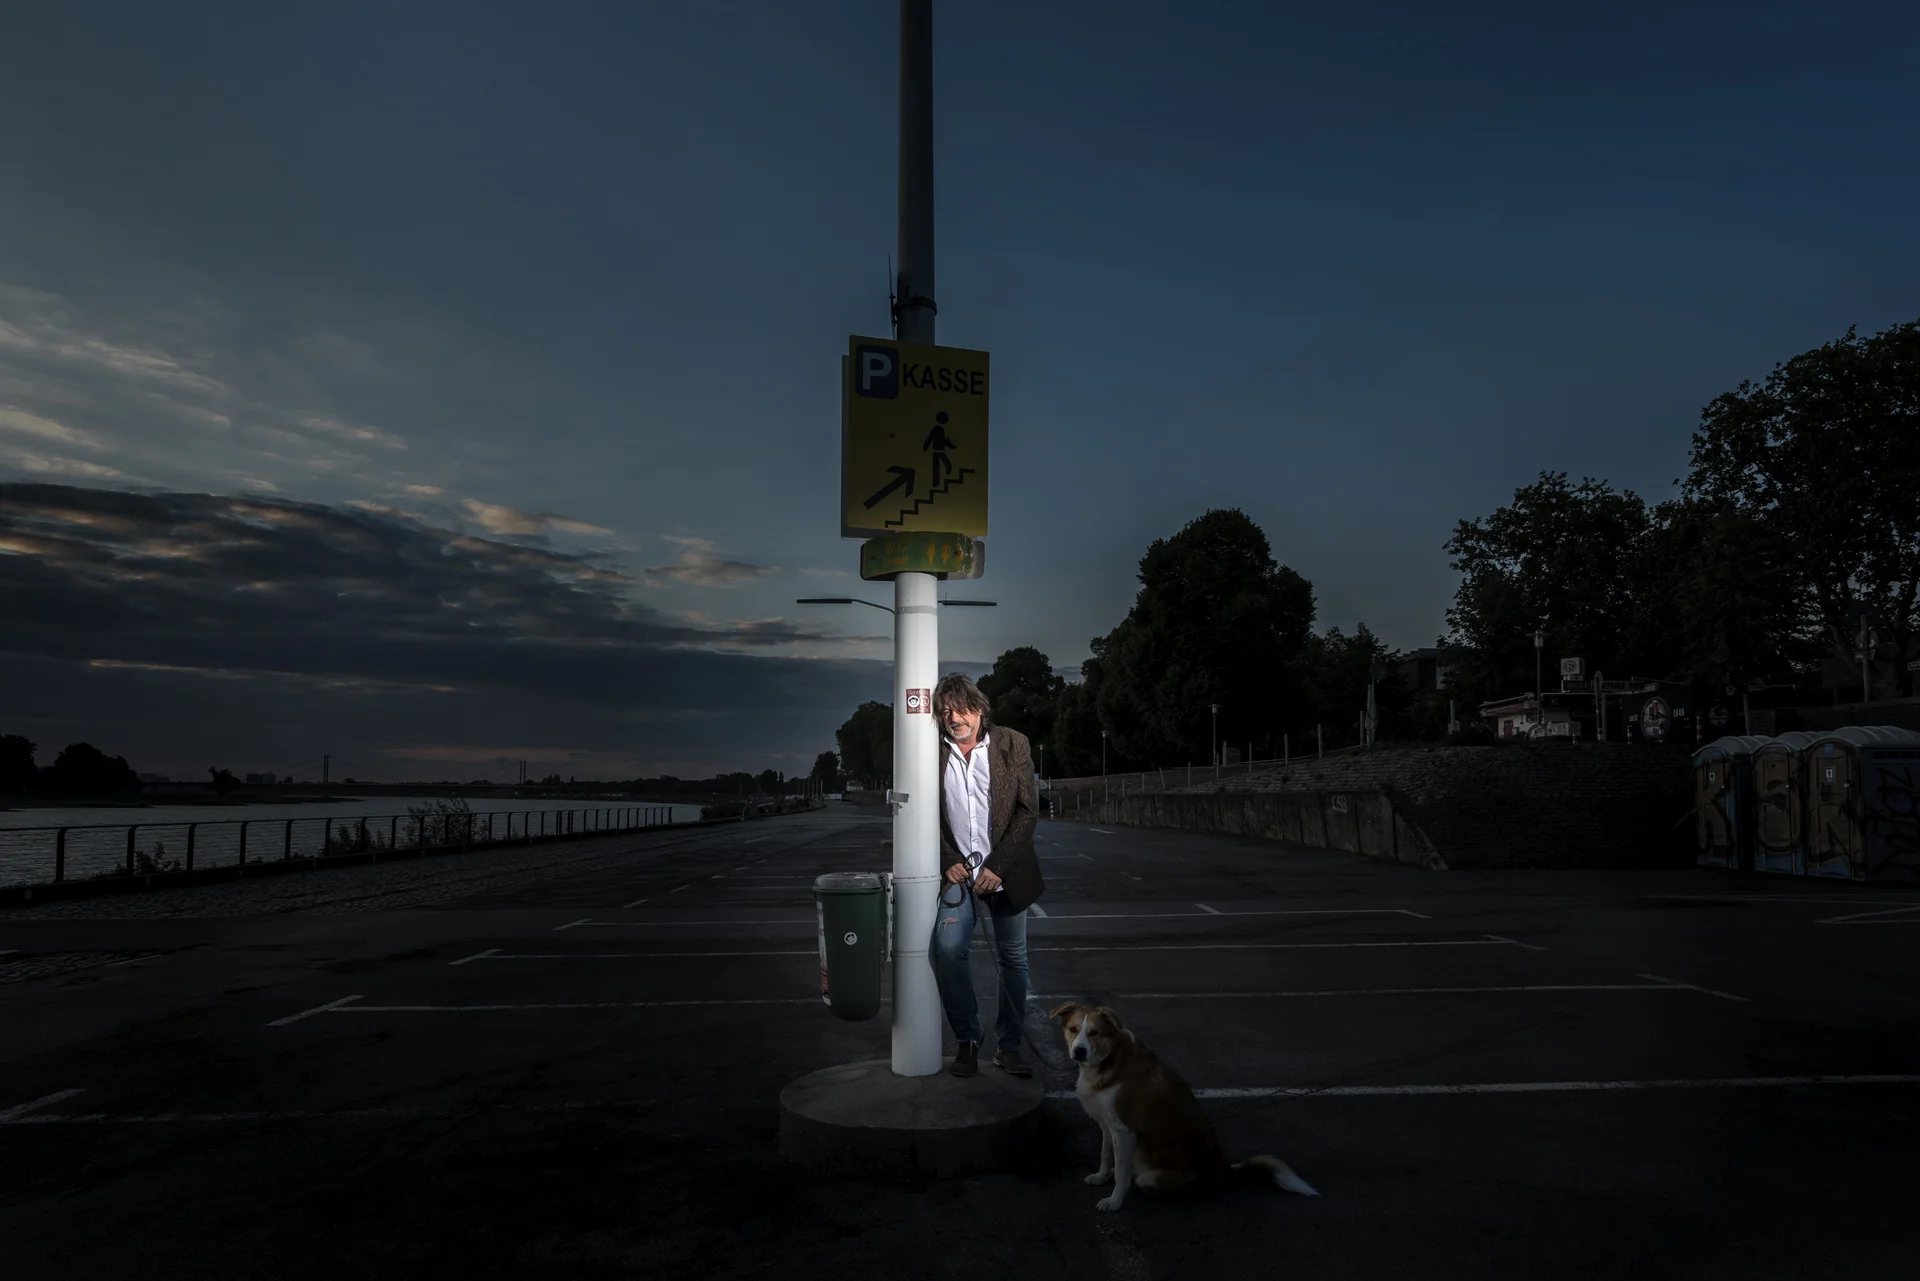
(968, 788)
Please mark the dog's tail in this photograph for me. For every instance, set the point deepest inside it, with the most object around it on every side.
(1272, 1167)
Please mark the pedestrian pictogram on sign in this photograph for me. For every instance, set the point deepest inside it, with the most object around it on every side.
(919, 700)
(914, 439)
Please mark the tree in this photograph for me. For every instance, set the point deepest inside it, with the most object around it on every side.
(223, 780)
(771, 781)
(866, 744)
(826, 772)
(1074, 749)
(18, 773)
(1825, 456)
(1217, 620)
(1024, 692)
(1334, 670)
(1563, 557)
(1712, 600)
(84, 768)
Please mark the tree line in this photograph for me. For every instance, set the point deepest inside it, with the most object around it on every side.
(80, 769)
(1790, 550)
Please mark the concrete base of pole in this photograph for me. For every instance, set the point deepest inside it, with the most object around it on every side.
(862, 1120)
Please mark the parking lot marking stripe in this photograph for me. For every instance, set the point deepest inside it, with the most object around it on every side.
(1038, 911)
(559, 1005)
(571, 924)
(19, 1110)
(785, 920)
(1725, 996)
(676, 889)
(1531, 947)
(1538, 1087)
(1103, 831)
(1263, 947)
(620, 956)
(329, 1007)
(1211, 911)
(1408, 991)
(1869, 917)
(477, 956)
(344, 1114)
(1770, 898)
(636, 903)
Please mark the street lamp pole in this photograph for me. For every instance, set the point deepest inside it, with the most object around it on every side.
(1214, 746)
(1539, 712)
(1103, 753)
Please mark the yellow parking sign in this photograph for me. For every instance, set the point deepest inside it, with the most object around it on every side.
(913, 451)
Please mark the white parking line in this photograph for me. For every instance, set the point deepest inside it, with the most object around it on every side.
(1038, 911)
(1531, 947)
(341, 1007)
(1662, 986)
(1876, 918)
(785, 920)
(344, 1114)
(1540, 1087)
(497, 955)
(676, 889)
(636, 903)
(19, 1110)
(1725, 996)
(1103, 831)
(477, 956)
(1770, 898)
(1213, 911)
(572, 924)
(1267, 947)
(328, 1008)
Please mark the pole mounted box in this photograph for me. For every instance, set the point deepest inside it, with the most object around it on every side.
(913, 439)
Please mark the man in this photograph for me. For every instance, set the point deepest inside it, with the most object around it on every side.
(988, 807)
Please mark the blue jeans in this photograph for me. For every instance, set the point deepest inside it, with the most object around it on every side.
(953, 967)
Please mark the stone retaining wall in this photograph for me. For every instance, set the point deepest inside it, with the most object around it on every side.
(1517, 805)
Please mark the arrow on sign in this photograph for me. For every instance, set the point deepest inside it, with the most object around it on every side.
(902, 479)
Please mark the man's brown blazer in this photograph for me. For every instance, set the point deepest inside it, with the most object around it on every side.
(1013, 808)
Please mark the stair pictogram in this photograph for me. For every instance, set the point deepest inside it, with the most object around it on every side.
(944, 475)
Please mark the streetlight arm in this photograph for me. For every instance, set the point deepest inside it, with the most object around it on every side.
(841, 600)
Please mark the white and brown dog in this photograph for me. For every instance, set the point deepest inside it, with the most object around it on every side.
(1153, 1132)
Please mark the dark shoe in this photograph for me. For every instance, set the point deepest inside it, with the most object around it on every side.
(966, 1060)
(1010, 1062)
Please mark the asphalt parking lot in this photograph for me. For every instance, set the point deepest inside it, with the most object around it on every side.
(564, 1063)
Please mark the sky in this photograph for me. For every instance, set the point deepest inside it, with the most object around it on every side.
(443, 385)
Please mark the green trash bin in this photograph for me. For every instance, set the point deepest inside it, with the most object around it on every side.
(852, 911)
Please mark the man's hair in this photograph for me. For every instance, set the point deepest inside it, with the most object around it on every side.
(956, 689)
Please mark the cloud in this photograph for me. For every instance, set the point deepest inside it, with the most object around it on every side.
(22, 422)
(347, 431)
(511, 521)
(75, 467)
(182, 626)
(701, 565)
(426, 491)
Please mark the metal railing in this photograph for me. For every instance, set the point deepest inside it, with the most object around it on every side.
(107, 850)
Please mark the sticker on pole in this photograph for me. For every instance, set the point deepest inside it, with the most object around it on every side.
(849, 938)
(919, 700)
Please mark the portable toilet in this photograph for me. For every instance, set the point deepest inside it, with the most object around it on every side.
(1780, 804)
(1723, 800)
(1863, 804)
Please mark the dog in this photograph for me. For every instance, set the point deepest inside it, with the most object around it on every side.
(1153, 1132)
